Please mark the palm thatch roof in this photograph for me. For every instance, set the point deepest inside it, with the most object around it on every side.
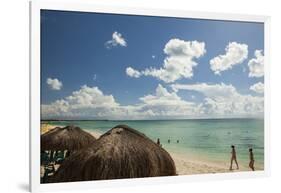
(67, 138)
(122, 152)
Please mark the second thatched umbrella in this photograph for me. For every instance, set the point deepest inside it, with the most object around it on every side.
(69, 138)
(121, 152)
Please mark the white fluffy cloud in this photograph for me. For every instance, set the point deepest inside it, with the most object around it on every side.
(168, 104)
(220, 100)
(80, 103)
(132, 72)
(258, 87)
(209, 90)
(91, 102)
(179, 62)
(225, 100)
(117, 40)
(235, 53)
(256, 65)
(54, 84)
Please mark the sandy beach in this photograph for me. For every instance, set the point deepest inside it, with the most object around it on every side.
(45, 127)
(185, 164)
(94, 133)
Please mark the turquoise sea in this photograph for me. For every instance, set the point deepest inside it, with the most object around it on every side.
(206, 139)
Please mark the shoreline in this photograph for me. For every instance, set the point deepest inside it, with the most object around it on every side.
(45, 127)
(185, 164)
(94, 133)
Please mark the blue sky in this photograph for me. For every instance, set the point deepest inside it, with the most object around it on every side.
(78, 49)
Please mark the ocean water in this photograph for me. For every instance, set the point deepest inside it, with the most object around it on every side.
(206, 139)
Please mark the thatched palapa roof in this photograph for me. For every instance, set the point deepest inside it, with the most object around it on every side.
(122, 152)
(67, 138)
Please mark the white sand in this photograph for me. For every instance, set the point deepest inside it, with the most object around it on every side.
(94, 133)
(187, 166)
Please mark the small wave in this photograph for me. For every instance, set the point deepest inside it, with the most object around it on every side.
(248, 139)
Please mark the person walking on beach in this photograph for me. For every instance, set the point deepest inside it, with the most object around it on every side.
(252, 161)
(233, 158)
(158, 141)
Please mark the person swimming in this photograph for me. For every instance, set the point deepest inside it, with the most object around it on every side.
(233, 158)
(169, 141)
(252, 160)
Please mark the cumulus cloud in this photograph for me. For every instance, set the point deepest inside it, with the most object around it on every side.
(168, 104)
(179, 62)
(209, 90)
(258, 87)
(225, 100)
(235, 53)
(132, 72)
(117, 40)
(54, 84)
(220, 100)
(256, 65)
(91, 102)
(83, 102)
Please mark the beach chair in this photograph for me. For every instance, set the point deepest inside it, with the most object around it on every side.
(49, 170)
(44, 158)
(59, 157)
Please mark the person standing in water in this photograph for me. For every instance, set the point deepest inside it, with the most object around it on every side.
(233, 158)
(252, 161)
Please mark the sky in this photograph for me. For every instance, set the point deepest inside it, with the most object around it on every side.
(109, 66)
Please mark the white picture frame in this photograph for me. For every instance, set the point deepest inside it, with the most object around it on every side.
(36, 6)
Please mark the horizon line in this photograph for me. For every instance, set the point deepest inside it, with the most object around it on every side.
(259, 118)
